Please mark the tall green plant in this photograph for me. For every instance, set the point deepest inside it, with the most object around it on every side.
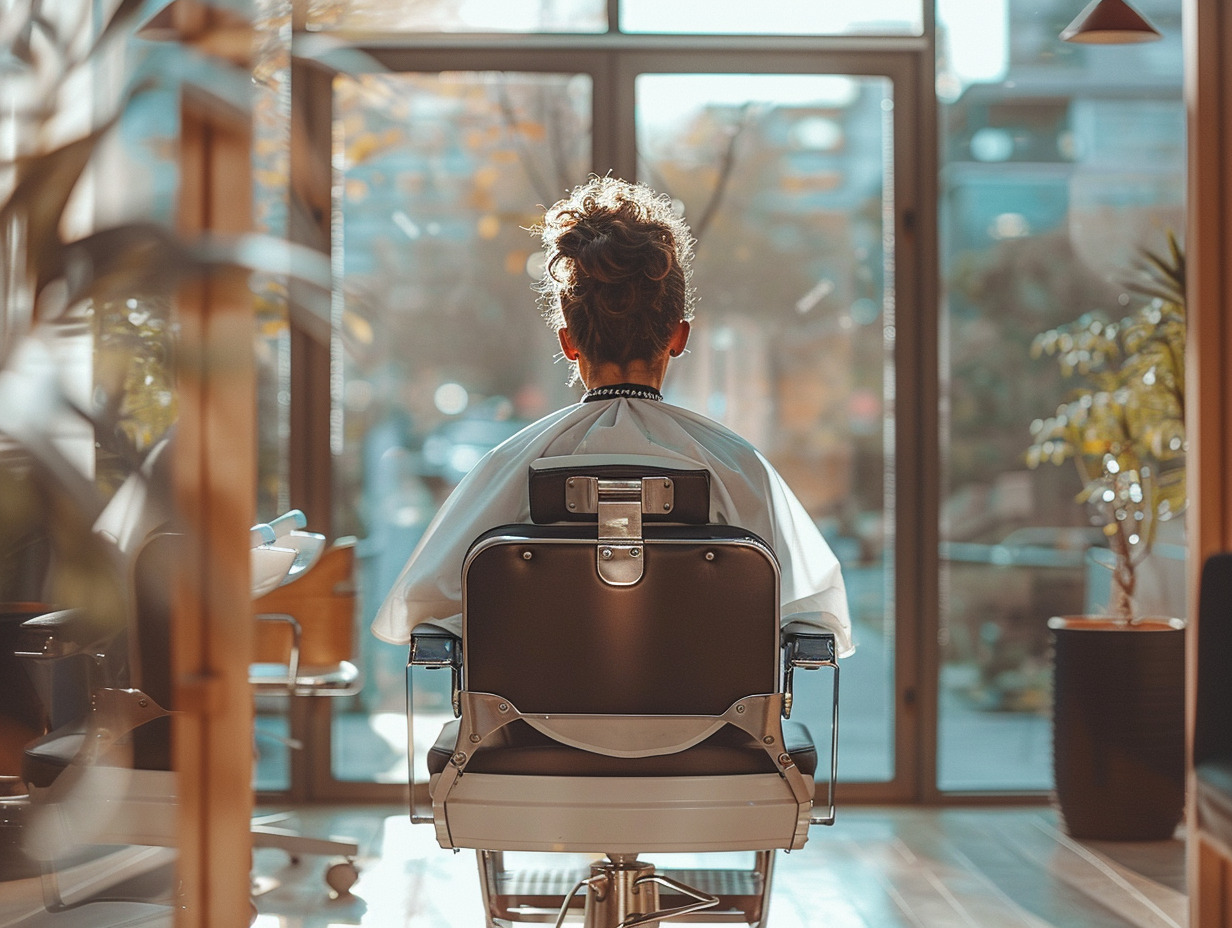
(1124, 429)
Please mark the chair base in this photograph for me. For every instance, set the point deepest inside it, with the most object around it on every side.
(623, 892)
(520, 896)
(341, 874)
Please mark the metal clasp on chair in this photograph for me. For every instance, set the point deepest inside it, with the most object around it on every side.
(618, 556)
(620, 505)
(658, 494)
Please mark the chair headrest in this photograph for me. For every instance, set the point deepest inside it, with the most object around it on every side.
(550, 493)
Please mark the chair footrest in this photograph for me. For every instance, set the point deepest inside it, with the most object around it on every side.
(716, 882)
(527, 894)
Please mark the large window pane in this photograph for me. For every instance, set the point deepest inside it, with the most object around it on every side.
(459, 15)
(441, 351)
(1060, 164)
(271, 181)
(272, 342)
(774, 17)
(785, 182)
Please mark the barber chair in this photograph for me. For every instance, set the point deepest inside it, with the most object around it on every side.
(101, 791)
(304, 605)
(101, 786)
(622, 687)
(1212, 741)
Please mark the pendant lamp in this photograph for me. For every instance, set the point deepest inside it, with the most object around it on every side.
(1109, 22)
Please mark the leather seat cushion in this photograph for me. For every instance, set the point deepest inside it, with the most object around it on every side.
(47, 757)
(520, 749)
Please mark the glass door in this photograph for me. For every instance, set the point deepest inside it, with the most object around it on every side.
(439, 353)
(787, 183)
(441, 177)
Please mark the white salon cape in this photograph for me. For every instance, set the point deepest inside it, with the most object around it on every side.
(745, 491)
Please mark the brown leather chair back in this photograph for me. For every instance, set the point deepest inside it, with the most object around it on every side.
(697, 632)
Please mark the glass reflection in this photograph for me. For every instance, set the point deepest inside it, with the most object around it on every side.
(87, 791)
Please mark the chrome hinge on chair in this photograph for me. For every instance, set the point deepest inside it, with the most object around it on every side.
(620, 505)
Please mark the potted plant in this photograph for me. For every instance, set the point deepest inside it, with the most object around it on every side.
(1118, 679)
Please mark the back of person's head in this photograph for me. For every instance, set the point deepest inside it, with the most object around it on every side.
(618, 260)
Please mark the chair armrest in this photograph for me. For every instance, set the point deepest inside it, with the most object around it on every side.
(808, 647)
(297, 633)
(57, 634)
(434, 648)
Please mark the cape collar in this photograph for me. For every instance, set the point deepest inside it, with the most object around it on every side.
(631, 390)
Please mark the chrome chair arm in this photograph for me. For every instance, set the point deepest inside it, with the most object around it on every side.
(435, 648)
(297, 634)
(805, 647)
(59, 633)
(431, 649)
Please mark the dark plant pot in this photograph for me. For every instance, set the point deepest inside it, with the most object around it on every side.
(1118, 710)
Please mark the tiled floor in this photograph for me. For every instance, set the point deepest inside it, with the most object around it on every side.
(876, 868)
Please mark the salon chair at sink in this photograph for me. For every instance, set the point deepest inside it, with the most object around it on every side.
(101, 816)
(304, 604)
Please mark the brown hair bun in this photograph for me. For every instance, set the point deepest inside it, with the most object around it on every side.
(617, 270)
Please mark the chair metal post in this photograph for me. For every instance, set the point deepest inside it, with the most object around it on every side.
(623, 892)
(297, 636)
(828, 818)
(417, 818)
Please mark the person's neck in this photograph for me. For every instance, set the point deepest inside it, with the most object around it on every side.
(608, 374)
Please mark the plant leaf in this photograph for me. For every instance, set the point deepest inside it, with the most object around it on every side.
(150, 258)
(44, 184)
(125, 12)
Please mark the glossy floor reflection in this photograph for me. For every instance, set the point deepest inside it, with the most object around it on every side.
(876, 868)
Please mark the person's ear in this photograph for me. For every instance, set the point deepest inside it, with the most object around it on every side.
(679, 340)
(566, 344)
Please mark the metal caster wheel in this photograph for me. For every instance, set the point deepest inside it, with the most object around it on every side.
(341, 876)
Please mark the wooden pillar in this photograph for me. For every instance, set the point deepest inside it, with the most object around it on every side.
(215, 464)
(1208, 242)
(311, 467)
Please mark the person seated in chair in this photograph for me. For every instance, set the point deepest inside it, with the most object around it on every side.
(616, 289)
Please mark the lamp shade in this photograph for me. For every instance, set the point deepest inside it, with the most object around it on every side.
(1109, 22)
